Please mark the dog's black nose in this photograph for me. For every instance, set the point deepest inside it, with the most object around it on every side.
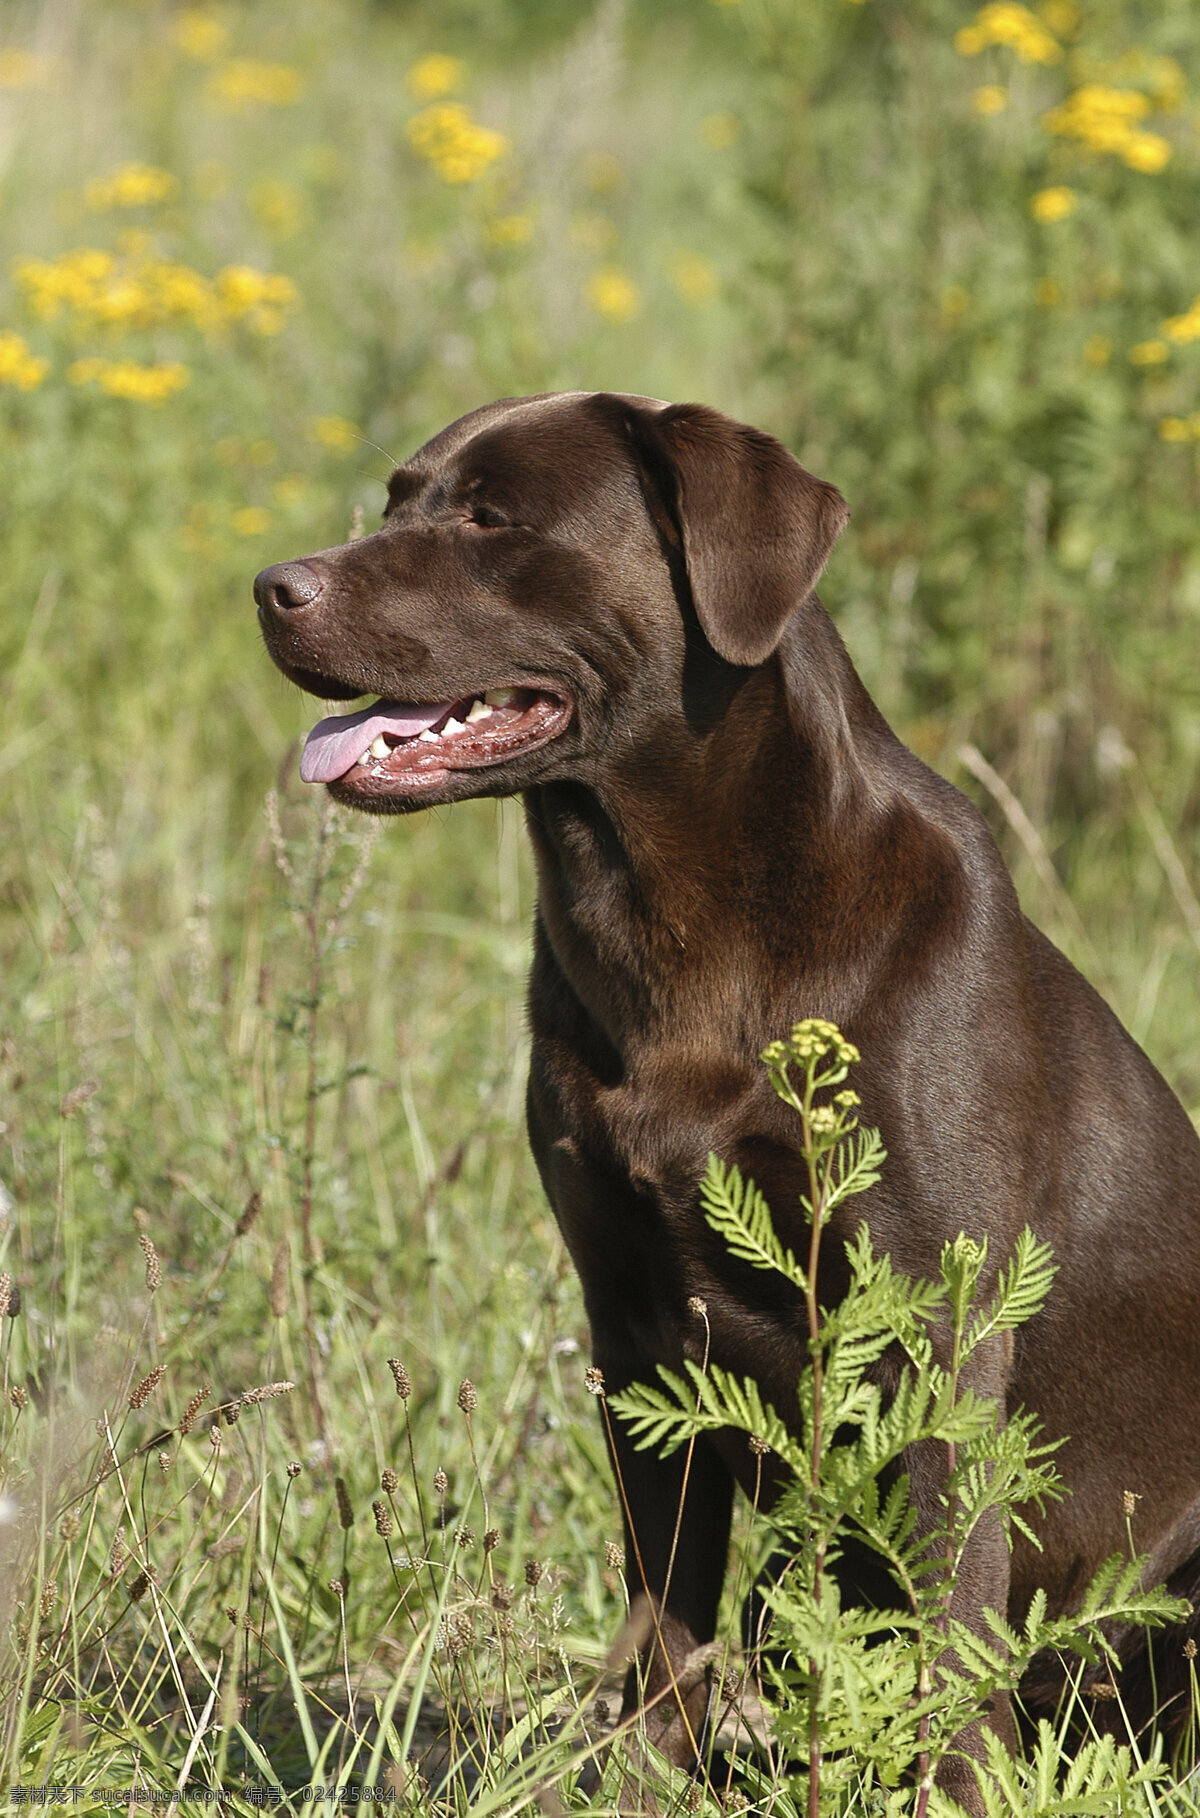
(287, 585)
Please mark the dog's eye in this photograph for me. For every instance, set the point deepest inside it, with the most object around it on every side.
(485, 517)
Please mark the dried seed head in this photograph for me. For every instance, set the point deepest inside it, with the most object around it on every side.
(141, 1218)
(153, 1266)
(468, 1401)
(19, 1396)
(141, 1584)
(441, 1482)
(534, 1570)
(389, 1483)
(249, 1213)
(231, 1413)
(594, 1380)
(758, 1446)
(48, 1599)
(613, 1556)
(14, 1302)
(501, 1597)
(491, 1540)
(695, 1796)
(401, 1378)
(119, 1556)
(1104, 1690)
(337, 1587)
(600, 1710)
(277, 1290)
(1189, 1649)
(1129, 1501)
(193, 1408)
(383, 1519)
(6, 1282)
(698, 1307)
(214, 1437)
(460, 1634)
(77, 1097)
(345, 1512)
(294, 1467)
(465, 1537)
(164, 1462)
(232, 1615)
(69, 1526)
(266, 1392)
(147, 1386)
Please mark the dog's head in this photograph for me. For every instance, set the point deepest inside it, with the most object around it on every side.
(543, 569)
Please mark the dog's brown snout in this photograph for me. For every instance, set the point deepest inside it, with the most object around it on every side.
(287, 585)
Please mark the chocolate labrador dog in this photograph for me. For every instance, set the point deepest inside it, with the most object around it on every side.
(605, 603)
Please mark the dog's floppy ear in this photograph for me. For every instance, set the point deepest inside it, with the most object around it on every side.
(756, 527)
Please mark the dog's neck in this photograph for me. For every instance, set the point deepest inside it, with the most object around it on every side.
(757, 833)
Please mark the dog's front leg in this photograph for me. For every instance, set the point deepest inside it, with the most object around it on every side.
(677, 1513)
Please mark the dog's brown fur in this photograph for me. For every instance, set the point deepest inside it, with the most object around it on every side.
(729, 838)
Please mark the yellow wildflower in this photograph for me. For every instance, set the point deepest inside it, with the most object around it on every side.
(459, 149)
(200, 35)
(18, 365)
(334, 433)
(955, 302)
(1053, 204)
(1014, 28)
(1097, 350)
(613, 293)
(509, 230)
(1062, 16)
(435, 75)
(261, 299)
(130, 380)
(1105, 119)
(1175, 429)
(694, 278)
(24, 69)
(1047, 292)
(992, 98)
(1149, 353)
(250, 521)
(130, 186)
(1185, 327)
(720, 130)
(243, 83)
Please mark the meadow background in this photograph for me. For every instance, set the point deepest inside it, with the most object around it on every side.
(261, 1064)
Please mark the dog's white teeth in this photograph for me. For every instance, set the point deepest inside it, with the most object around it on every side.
(379, 746)
(428, 737)
(365, 759)
(451, 727)
(479, 711)
(502, 697)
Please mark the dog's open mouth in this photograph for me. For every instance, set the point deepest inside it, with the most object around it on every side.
(397, 745)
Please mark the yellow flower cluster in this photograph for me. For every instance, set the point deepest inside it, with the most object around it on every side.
(1053, 204)
(459, 149)
(1185, 327)
(1180, 429)
(130, 186)
(614, 294)
(129, 379)
(436, 75)
(509, 230)
(18, 366)
(132, 291)
(1149, 353)
(811, 1039)
(1013, 28)
(992, 98)
(244, 83)
(199, 34)
(1105, 119)
(334, 433)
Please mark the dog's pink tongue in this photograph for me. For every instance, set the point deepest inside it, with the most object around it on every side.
(335, 745)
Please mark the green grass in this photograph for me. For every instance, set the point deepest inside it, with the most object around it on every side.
(218, 1015)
